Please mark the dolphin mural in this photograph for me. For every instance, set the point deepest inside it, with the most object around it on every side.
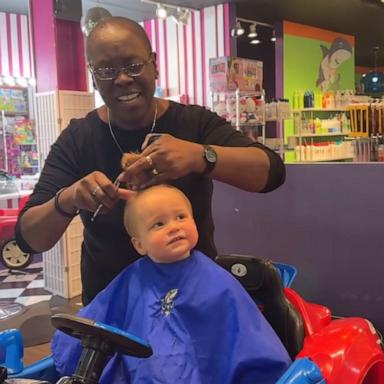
(339, 51)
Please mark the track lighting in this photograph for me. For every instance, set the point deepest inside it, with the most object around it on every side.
(252, 31)
(179, 15)
(93, 16)
(182, 16)
(9, 80)
(161, 12)
(238, 30)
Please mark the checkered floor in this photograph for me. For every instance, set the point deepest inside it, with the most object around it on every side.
(25, 287)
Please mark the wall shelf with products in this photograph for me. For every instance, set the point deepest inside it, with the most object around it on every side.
(322, 135)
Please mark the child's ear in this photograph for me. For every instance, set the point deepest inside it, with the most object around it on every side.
(138, 246)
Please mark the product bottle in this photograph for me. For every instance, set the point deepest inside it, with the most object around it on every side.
(373, 144)
(380, 150)
(301, 99)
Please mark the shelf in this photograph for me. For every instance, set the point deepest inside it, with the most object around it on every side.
(320, 135)
(319, 110)
(26, 144)
(255, 124)
(15, 113)
(241, 93)
(322, 160)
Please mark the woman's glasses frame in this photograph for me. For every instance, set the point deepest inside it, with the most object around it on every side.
(111, 73)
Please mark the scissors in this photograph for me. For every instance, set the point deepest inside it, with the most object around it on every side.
(149, 139)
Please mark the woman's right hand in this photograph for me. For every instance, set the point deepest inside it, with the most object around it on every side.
(89, 192)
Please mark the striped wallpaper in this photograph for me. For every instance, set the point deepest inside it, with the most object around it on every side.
(183, 52)
(15, 57)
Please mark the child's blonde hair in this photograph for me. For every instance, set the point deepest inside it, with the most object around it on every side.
(131, 212)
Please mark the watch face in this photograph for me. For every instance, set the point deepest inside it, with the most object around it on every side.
(210, 155)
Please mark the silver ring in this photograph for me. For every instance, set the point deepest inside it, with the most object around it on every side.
(149, 160)
(155, 172)
(93, 193)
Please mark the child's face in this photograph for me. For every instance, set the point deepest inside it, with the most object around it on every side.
(165, 228)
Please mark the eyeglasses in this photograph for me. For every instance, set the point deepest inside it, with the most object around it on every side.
(111, 73)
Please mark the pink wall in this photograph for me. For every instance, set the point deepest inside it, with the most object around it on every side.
(183, 52)
(15, 57)
(70, 56)
(43, 31)
(58, 50)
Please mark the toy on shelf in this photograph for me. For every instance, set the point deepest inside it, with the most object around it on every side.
(232, 73)
(244, 110)
(18, 146)
(13, 100)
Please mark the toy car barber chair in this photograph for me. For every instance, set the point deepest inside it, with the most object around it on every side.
(99, 341)
(325, 351)
(11, 255)
(265, 282)
(342, 351)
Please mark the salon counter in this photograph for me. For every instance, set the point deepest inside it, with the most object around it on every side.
(327, 220)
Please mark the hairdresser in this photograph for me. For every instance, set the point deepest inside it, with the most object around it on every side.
(82, 172)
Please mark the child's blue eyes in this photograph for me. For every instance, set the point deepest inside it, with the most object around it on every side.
(160, 224)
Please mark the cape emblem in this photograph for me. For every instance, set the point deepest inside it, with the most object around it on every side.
(167, 302)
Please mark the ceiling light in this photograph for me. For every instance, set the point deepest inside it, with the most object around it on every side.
(161, 11)
(179, 15)
(182, 16)
(255, 41)
(252, 31)
(32, 82)
(21, 81)
(238, 30)
(9, 80)
(93, 16)
(273, 37)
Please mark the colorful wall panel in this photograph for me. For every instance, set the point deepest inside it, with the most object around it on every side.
(315, 58)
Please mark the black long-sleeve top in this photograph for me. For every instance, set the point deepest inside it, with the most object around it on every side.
(86, 145)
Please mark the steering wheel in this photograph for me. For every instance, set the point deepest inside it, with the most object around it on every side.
(99, 341)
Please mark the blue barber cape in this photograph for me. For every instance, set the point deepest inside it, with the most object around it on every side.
(202, 325)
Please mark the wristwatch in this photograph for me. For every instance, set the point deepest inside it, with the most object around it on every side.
(210, 157)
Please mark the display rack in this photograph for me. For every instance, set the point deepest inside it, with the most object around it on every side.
(18, 146)
(278, 111)
(244, 110)
(321, 137)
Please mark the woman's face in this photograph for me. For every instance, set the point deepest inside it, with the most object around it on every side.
(129, 98)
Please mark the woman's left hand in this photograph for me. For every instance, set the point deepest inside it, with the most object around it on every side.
(167, 158)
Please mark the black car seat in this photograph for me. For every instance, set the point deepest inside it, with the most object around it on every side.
(262, 281)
